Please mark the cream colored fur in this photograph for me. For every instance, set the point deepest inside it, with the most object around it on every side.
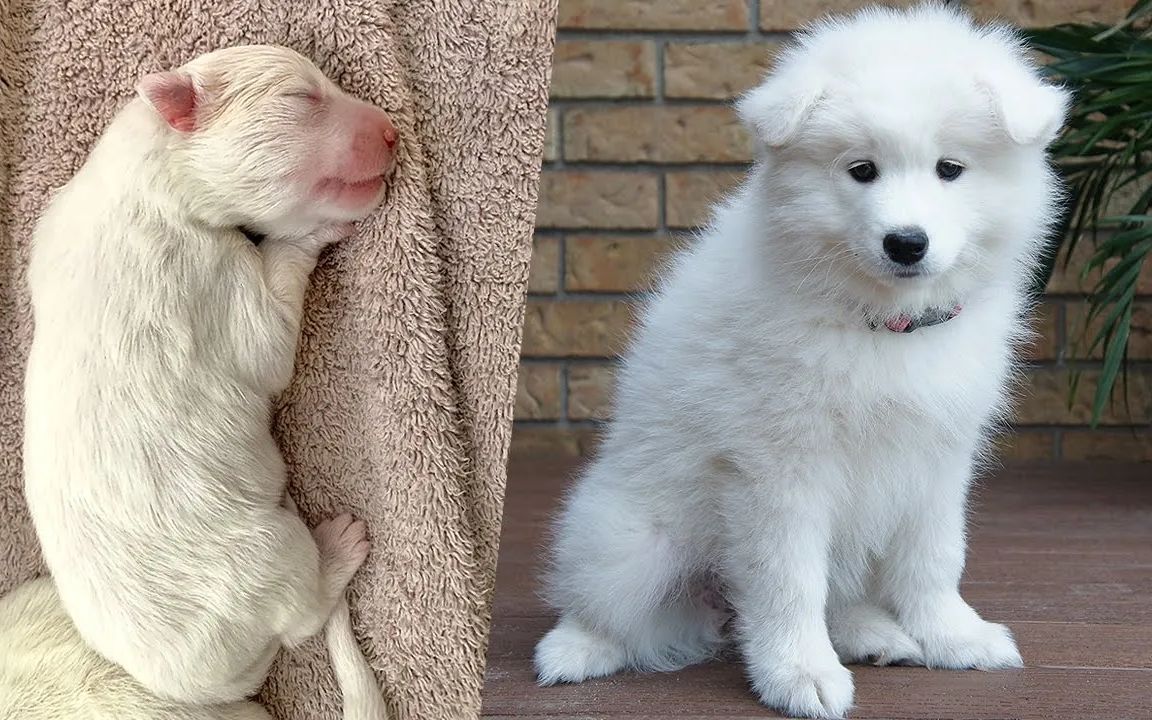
(161, 336)
(47, 672)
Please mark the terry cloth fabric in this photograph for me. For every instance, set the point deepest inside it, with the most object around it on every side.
(402, 405)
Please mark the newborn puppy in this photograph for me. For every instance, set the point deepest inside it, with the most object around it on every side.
(161, 335)
(48, 673)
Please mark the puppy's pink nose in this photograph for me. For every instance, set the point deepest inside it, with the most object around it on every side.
(391, 134)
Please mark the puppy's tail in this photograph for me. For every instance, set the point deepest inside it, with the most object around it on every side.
(361, 692)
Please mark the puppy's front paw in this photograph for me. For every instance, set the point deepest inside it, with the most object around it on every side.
(977, 645)
(811, 688)
(330, 234)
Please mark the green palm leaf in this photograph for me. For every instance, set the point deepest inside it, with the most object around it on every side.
(1106, 149)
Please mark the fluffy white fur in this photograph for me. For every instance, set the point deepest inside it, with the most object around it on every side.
(767, 443)
(161, 335)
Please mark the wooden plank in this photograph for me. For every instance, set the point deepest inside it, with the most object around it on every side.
(720, 691)
(1044, 644)
(1062, 553)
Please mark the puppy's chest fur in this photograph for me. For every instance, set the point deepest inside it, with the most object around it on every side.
(874, 411)
(899, 390)
(854, 391)
(885, 415)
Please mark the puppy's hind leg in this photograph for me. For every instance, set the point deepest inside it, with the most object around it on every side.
(319, 565)
(620, 583)
(668, 638)
(867, 633)
(571, 652)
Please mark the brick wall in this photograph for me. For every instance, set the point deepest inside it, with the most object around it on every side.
(642, 140)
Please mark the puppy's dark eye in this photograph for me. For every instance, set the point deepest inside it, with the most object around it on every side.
(948, 170)
(863, 171)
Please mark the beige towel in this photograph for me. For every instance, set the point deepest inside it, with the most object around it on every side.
(402, 406)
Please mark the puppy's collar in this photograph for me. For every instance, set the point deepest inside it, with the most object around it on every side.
(908, 323)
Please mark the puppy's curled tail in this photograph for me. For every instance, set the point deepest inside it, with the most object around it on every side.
(358, 686)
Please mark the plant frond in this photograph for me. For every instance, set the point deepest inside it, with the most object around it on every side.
(1105, 156)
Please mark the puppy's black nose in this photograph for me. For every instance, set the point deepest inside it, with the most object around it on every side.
(907, 246)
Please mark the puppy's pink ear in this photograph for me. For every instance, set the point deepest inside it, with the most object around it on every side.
(173, 96)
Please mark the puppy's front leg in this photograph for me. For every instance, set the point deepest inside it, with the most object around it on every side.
(921, 578)
(778, 535)
(287, 264)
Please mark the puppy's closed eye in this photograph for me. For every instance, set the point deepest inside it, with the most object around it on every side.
(303, 94)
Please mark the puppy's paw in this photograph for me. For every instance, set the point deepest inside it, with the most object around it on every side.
(810, 688)
(343, 545)
(569, 653)
(869, 634)
(330, 234)
(976, 645)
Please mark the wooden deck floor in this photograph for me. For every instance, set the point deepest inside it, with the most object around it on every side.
(1061, 553)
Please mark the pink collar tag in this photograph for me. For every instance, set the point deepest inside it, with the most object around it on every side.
(904, 324)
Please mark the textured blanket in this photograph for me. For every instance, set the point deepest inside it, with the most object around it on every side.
(402, 405)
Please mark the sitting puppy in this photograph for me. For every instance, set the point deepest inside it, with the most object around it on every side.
(161, 335)
(48, 673)
(799, 418)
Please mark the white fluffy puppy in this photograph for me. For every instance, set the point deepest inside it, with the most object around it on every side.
(47, 672)
(161, 335)
(798, 420)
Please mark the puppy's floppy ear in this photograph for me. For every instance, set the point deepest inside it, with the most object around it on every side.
(1029, 111)
(174, 97)
(776, 109)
